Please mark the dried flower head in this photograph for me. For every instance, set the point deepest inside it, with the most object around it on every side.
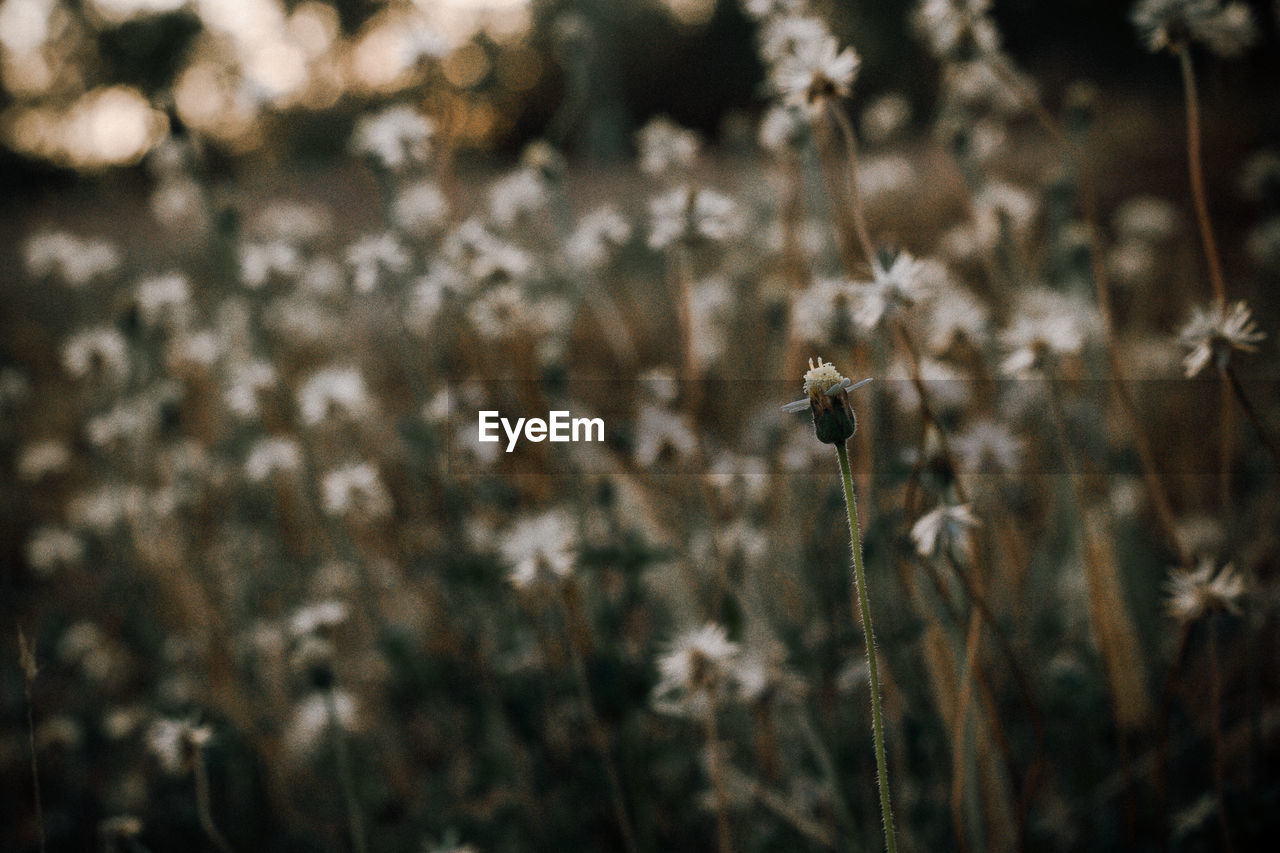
(828, 400)
(1193, 593)
(1214, 332)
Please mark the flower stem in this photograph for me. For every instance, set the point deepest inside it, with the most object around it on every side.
(1197, 177)
(873, 670)
(204, 808)
(355, 822)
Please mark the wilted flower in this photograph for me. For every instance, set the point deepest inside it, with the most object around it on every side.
(1214, 332)
(1194, 592)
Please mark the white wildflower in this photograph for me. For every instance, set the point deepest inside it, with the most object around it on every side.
(1212, 333)
(396, 137)
(537, 547)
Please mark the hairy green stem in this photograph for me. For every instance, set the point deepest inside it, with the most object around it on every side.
(873, 669)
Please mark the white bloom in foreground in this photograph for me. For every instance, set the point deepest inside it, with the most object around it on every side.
(1212, 333)
(696, 671)
(540, 546)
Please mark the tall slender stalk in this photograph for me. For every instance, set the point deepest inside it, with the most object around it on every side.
(204, 806)
(863, 607)
(27, 660)
(716, 771)
(1196, 171)
(355, 823)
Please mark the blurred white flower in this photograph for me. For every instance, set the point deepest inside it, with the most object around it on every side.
(355, 489)
(321, 616)
(688, 214)
(41, 458)
(421, 208)
(245, 381)
(696, 672)
(75, 260)
(658, 429)
(53, 548)
(885, 117)
(816, 72)
(987, 447)
(1146, 218)
(1191, 593)
(945, 530)
(956, 29)
(369, 256)
(164, 300)
(666, 147)
(597, 234)
(312, 720)
(101, 351)
(1227, 31)
(333, 391)
(539, 546)
(893, 289)
(1046, 324)
(823, 310)
(520, 194)
(270, 455)
(1212, 333)
(397, 137)
(259, 262)
(175, 742)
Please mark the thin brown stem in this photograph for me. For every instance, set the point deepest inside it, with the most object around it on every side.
(1196, 170)
(855, 196)
(1215, 724)
(204, 809)
(1252, 414)
(1160, 501)
(599, 739)
(27, 660)
(355, 822)
(723, 837)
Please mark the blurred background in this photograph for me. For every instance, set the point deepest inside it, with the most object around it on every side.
(265, 259)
